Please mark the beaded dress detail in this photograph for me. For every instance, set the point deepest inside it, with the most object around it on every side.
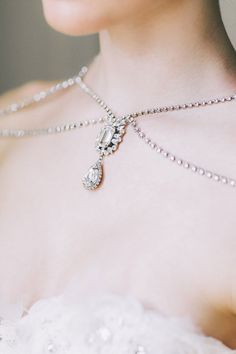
(101, 324)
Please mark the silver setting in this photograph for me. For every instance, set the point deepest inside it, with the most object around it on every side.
(110, 136)
(93, 177)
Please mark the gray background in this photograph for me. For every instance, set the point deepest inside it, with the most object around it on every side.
(31, 50)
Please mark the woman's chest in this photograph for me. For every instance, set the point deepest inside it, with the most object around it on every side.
(177, 275)
(144, 243)
(160, 237)
(145, 225)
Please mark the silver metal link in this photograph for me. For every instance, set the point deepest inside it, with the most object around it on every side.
(130, 118)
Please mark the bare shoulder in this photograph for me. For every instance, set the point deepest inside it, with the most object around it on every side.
(58, 107)
(26, 90)
(34, 114)
(23, 118)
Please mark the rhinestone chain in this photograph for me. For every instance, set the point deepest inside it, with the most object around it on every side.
(38, 97)
(16, 107)
(17, 133)
(63, 128)
(154, 110)
(181, 162)
(160, 150)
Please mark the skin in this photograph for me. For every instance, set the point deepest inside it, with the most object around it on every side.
(153, 230)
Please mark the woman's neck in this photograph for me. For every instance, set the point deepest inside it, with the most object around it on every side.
(178, 53)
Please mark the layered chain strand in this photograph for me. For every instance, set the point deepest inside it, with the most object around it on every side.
(201, 171)
(62, 128)
(78, 80)
(129, 119)
(42, 95)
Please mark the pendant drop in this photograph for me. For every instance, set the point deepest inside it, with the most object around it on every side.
(93, 177)
(107, 143)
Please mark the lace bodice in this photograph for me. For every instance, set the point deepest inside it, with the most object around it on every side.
(102, 324)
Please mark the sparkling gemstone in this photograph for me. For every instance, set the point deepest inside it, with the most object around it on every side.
(224, 180)
(201, 171)
(141, 134)
(104, 333)
(93, 177)
(165, 153)
(51, 348)
(140, 350)
(106, 135)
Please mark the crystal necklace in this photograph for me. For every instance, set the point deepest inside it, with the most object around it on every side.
(113, 131)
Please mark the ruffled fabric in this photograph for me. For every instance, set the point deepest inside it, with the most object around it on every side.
(101, 324)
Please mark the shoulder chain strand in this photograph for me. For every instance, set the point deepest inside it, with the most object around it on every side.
(42, 95)
(62, 128)
(154, 110)
(128, 118)
(201, 171)
(77, 80)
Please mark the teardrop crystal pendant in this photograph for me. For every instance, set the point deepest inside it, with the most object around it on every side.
(107, 142)
(93, 177)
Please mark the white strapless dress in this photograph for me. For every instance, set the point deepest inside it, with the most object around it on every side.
(99, 324)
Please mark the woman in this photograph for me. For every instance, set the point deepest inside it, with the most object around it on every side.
(157, 240)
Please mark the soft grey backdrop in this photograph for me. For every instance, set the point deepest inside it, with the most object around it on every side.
(31, 50)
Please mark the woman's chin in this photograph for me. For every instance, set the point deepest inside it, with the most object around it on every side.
(73, 18)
